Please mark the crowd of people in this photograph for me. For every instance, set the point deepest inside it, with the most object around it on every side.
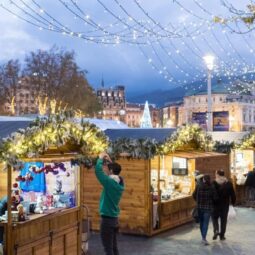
(213, 199)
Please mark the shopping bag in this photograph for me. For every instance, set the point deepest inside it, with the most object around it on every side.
(194, 214)
(231, 213)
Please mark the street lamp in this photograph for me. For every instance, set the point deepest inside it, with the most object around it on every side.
(209, 59)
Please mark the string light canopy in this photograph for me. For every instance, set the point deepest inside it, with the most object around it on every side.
(174, 45)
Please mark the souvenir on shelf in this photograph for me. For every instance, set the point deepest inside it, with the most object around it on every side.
(42, 186)
(173, 184)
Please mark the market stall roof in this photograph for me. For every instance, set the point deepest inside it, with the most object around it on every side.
(107, 124)
(159, 134)
(8, 127)
(9, 124)
(194, 154)
(227, 136)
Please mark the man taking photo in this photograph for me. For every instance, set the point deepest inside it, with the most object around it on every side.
(107, 174)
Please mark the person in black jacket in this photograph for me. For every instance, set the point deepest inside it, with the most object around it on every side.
(204, 195)
(250, 185)
(226, 194)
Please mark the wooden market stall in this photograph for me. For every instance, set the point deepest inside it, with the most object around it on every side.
(158, 189)
(239, 146)
(45, 213)
(243, 161)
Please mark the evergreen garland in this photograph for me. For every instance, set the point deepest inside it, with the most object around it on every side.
(223, 147)
(189, 135)
(248, 141)
(55, 130)
(133, 148)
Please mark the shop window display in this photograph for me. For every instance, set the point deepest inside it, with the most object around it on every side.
(241, 166)
(174, 182)
(43, 187)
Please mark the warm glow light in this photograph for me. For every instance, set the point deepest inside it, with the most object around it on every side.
(209, 60)
(169, 123)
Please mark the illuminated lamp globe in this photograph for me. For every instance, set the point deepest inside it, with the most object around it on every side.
(209, 61)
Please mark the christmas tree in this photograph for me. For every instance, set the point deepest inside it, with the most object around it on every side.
(146, 118)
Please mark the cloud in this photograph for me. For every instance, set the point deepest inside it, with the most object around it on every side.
(15, 41)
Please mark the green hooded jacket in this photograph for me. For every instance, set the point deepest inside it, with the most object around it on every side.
(111, 194)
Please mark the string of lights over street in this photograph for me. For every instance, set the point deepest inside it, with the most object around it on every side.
(171, 36)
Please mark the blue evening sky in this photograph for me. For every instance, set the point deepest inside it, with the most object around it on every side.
(167, 38)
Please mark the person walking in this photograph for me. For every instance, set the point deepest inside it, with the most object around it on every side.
(107, 174)
(250, 186)
(226, 193)
(204, 195)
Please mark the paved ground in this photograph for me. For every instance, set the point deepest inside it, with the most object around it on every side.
(186, 240)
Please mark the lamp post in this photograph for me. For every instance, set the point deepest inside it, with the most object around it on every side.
(209, 59)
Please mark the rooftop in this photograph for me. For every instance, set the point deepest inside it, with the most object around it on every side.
(9, 124)
(159, 134)
(217, 89)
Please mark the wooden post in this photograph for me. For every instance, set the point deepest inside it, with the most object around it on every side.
(80, 202)
(9, 204)
(159, 193)
(148, 197)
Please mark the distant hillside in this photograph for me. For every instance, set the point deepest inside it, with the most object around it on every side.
(238, 84)
(159, 97)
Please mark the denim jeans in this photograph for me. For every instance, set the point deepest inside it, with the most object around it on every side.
(204, 218)
(108, 231)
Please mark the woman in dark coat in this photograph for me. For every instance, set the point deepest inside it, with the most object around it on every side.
(204, 195)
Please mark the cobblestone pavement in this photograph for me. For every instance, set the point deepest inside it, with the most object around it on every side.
(186, 240)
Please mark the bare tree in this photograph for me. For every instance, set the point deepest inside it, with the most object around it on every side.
(55, 74)
(9, 76)
(54, 77)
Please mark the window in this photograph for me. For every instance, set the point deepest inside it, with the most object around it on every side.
(180, 166)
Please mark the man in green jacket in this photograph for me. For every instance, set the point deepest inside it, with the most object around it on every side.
(107, 174)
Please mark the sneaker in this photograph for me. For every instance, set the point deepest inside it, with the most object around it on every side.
(222, 238)
(215, 236)
(205, 242)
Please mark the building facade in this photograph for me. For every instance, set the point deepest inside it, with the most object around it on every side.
(133, 115)
(234, 112)
(22, 99)
(113, 102)
(169, 115)
(115, 107)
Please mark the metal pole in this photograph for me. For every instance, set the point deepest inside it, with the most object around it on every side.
(209, 102)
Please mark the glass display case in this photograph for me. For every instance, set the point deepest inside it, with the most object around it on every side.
(241, 164)
(174, 180)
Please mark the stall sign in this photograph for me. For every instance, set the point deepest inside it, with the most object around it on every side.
(200, 118)
(221, 121)
(180, 166)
